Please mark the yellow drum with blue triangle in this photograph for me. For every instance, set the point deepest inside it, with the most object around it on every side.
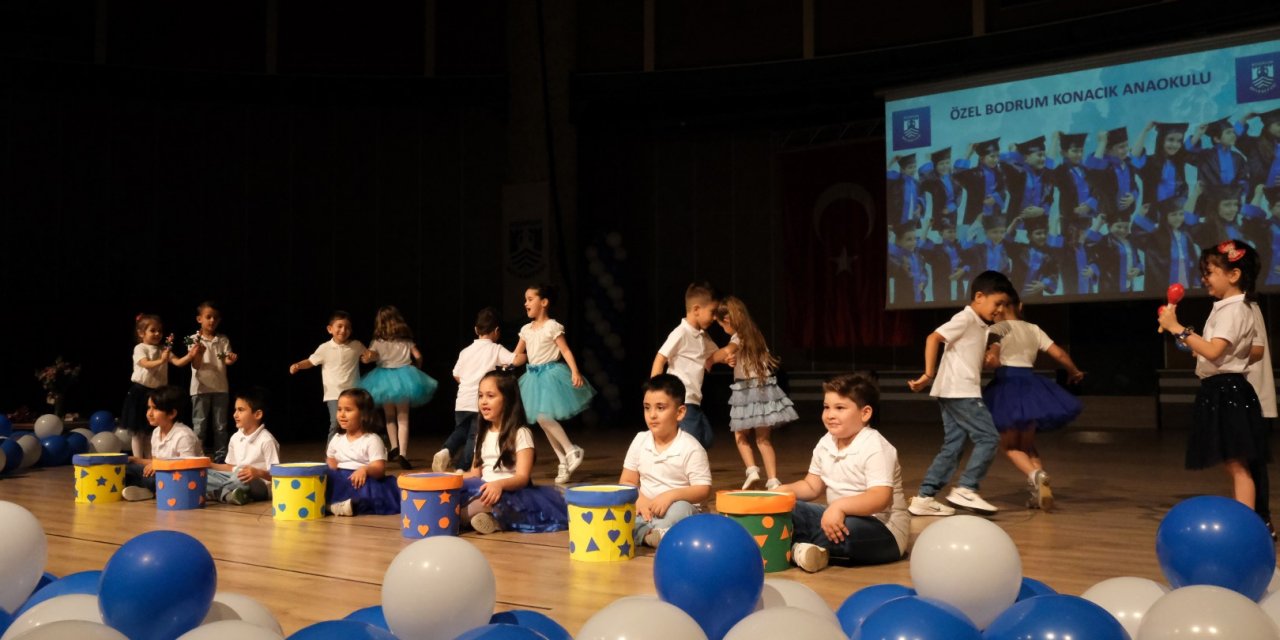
(297, 490)
(430, 504)
(99, 477)
(602, 522)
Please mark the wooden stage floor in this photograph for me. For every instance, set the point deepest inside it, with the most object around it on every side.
(1112, 488)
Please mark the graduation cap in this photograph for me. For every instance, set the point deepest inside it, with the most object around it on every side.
(993, 222)
(942, 155)
(1116, 136)
(1031, 146)
(987, 146)
(1270, 117)
(906, 160)
(1036, 223)
(1163, 129)
(1215, 128)
(1072, 140)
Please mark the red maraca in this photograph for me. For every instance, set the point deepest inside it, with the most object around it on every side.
(1174, 295)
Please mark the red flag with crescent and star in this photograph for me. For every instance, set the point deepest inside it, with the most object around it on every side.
(836, 248)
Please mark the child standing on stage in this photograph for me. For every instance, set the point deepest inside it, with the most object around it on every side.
(358, 482)
(246, 474)
(958, 390)
(756, 405)
(686, 354)
(151, 359)
(865, 519)
(497, 491)
(339, 362)
(397, 383)
(169, 439)
(209, 388)
(551, 388)
(481, 357)
(1022, 402)
(1228, 428)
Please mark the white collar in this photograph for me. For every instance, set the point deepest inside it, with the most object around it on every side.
(1229, 300)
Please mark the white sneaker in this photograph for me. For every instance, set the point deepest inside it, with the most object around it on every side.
(342, 508)
(928, 506)
(562, 474)
(810, 557)
(441, 461)
(969, 499)
(573, 459)
(753, 482)
(484, 523)
(1043, 494)
(137, 494)
(654, 537)
(772, 484)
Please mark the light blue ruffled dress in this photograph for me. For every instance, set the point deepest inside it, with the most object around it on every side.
(756, 402)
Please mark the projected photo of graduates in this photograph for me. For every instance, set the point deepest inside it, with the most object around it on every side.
(1096, 184)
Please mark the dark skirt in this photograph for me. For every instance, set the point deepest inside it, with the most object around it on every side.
(1228, 423)
(533, 509)
(1020, 399)
(134, 414)
(379, 497)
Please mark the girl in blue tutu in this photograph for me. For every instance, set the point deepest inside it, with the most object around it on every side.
(552, 389)
(498, 492)
(1022, 402)
(397, 383)
(757, 404)
(358, 483)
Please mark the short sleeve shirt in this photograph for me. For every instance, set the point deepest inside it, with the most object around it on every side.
(540, 342)
(868, 461)
(960, 372)
(211, 377)
(259, 450)
(682, 464)
(181, 442)
(1020, 342)
(1232, 321)
(686, 350)
(149, 378)
(478, 359)
(393, 354)
(490, 452)
(354, 454)
(339, 366)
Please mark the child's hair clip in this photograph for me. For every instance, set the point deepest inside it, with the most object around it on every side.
(1235, 254)
(137, 317)
(1227, 247)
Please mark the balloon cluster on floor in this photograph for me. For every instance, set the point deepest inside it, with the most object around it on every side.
(967, 577)
(50, 444)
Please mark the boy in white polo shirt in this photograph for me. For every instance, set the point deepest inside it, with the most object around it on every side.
(474, 362)
(666, 463)
(339, 360)
(246, 476)
(685, 355)
(169, 439)
(865, 518)
(958, 388)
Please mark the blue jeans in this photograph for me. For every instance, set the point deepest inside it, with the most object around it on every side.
(133, 477)
(333, 420)
(462, 442)
(695, 423)
(961, 418)
(679, 510)
(868, 542)
(220, 484)
(210, 410)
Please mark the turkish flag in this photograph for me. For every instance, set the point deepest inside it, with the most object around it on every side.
(836, 240)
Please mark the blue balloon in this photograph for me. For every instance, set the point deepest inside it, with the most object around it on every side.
(12, 454)
(5, 621)
(370, 615)
(342, 630)
(1055, 616)
(159, 585)
(501, 632)
(102, 421)
(709, 566)
(56, 451)
(533, 620)
(6, 427)
(76, 443)
(1032, 588)
(86, 582)
(1218, 541)
(855, 609)
(916, 618)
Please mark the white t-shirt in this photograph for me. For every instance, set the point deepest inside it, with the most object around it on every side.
(686, 350)
(258, 450)
(211, 377)
(682, 464)
(339, 366)
(1260, 374)
(179, 443)
(540, 342)
(960, 372)
(1232, 321)
(149, 378)
(479, 358)
(353, 454)
(868, 461)
(393, 354)
(490, 452)
(1020, 342)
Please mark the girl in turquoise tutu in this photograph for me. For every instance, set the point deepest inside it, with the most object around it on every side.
(397, 383)
(552, 389)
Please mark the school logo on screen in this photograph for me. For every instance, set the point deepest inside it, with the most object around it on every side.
(911, 128)
(1256, 77)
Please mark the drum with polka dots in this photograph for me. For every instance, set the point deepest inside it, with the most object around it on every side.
(180, 482)
(297, 490)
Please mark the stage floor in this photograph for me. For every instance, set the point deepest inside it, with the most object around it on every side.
(1112, 488)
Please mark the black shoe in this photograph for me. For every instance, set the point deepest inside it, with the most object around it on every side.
(393, 453)
(404, 462)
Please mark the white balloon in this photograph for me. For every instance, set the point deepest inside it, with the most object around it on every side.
(1128, 599)
(438, 588)
(88, 435)
(126, 440)
(75, 606)
(236, 606)
(223, 629)
(48, 425)
(970, 564)
(791, 623)
(1271, 606)
(778, 592)
(31, 449)
(1202, 611)
(22, 555)
(640, 618)
(72, 630)
(105, 442)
